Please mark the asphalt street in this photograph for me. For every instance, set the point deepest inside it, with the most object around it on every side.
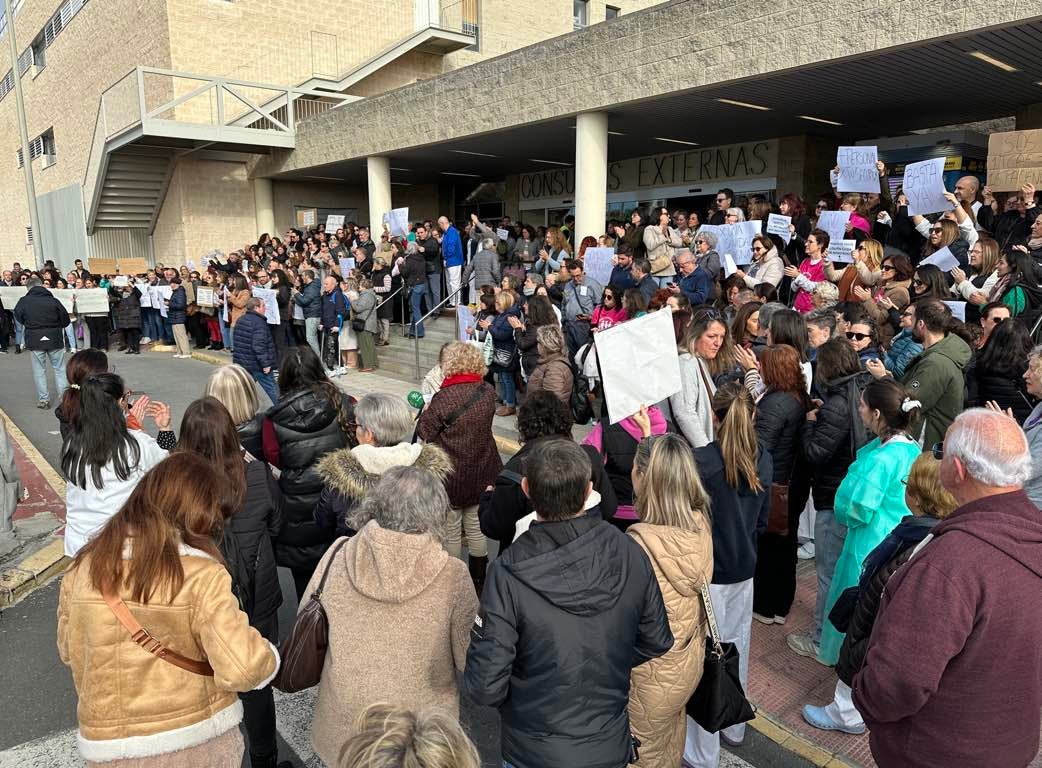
(37, 696)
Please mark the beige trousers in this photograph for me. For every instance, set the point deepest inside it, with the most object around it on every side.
(181, 340)
(464, 522)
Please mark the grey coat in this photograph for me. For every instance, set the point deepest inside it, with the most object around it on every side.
(364, 308)
(1033, 430)
(10, 480)
(485, 268)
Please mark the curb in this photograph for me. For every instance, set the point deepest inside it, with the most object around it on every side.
(782, 735)
(212, 359)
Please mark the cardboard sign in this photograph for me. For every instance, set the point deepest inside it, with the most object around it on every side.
(834, 223)
(857, 169)
(98, 266)
(1014, 159)
(133, 266)
(924, 186)
(779, 225)
(597, 264)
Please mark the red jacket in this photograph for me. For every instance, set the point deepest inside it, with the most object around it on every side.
(953, 672)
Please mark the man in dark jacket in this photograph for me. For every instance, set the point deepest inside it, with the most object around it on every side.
(953, 673)
(44, 319)
(309, 299)
(620, 273)
(253, 347)
(566, 613)
(335, 312)
(642, 279)
(695, 282)
(429, 246)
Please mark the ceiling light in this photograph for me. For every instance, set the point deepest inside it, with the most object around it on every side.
(818, 120)
(676, 141)
(475, 154)
(548, 162)
(404, 170)
(982, 56)
(745, 104)
(323, 178)
(610, 133)
(469, 175)
(401, 184)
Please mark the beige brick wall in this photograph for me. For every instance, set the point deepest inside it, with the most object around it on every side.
(217, 206)
(168, 240)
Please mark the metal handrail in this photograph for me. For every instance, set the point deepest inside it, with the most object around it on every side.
(439, 305)
(390, 296)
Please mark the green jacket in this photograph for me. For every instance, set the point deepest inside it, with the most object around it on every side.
(935, 378)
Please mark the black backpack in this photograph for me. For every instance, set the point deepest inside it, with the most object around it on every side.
(581, 401)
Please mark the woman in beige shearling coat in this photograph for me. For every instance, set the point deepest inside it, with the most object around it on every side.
(676, 534)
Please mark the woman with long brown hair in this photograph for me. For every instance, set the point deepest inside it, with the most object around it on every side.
(251, 505)
(156, 564)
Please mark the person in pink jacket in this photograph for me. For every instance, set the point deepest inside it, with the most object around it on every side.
(811, 271)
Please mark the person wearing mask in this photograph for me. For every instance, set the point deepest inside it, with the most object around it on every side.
(929, 503)
(935, 378)
(43, 319)
(695, 283)
(768, 267)
(309, 299)
(691, 409)
(832, 436)
(529, 631)
(389, 736)
(997, 374)
(251, 508)
(811, 270)
(311, 418)
(384, 428)
(541, 417)
(404, 638)
(452, 255)
(156, 562)
(233, 387)
(459, 421)
(661, 242)
(983, 561)
(781, 413)
(675, 532)
(736, 473)
(103, 459)
(253, 347)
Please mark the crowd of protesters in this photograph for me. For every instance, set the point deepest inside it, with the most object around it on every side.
(849, 394)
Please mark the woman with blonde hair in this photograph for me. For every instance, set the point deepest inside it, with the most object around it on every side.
(156, 564)
(236, 390)
(863, 272)
(388, 736)
(674, 530)
(553, 253)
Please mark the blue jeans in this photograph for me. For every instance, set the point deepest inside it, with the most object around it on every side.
(70, 334)
(311, 334)
(57, 360)
(508, 387)
(168, 330)
(19, 334)
(828, 544)
(433, 290)
(267, 383)
(226, 335)
(416, 294)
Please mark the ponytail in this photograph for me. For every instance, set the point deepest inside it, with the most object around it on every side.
(736, 435)
(100, 434)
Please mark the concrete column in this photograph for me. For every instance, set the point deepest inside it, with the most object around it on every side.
(264, 205)
(591, 174)
(379, 171)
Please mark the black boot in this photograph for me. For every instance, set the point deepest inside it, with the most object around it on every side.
(477, 566)
(269, 761)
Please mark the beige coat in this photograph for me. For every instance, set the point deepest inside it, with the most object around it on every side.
(554, 375)
(133, 704)
(400, 612)
(660, 688)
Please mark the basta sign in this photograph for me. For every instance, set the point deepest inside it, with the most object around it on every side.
(716, 165)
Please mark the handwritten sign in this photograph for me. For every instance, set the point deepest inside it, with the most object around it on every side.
(204, 297)
(334, 222)
(271, 304)
(597, 264)
(924, 186)
(346, 265)
(99, 266)
(842, 250)
(160, 295)
(502, 234)
(121, 281)
(834, 223)
(779, 225)
(92, 301)
(144, 296)
(308, 217)
(943, 259)
(742, 235)
(398, 221)
(136, 266)
(857, 169)
(1014, 159)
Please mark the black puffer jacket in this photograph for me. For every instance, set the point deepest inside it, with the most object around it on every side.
(306, 428)
(128, 311)
(254, 528)
(900, 544)
(830, 444)
(1005, 386)
(566, 614)
(250, 436)
(44, 319)
(779, 420)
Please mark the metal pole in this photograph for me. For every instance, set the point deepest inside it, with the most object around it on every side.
(23, 133)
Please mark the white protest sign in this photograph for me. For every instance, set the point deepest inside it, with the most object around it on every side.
(924, 186)
(842, 250)
(742, 235)
(857, 169)
(224, 310)
(346, 265)
(92, 301)
(958, 309)
(943, 259)
(502, 234)
(729, 266)
(639, 363)
(334, 222)
(67, 297)
(834, 223)
(10, 295)
(466, 320)
(308, 217)
(724, 237)
(160, 295)
(121, 281)
(204, 297)
(144, 296)
(597, 264)
(298, 311)
(398, 221)
(779, 225)
(271, 304)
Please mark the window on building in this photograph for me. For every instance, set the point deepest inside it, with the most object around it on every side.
(39, 59)
(580, 13)
(611, 12)
(42, 145)
(25, 60)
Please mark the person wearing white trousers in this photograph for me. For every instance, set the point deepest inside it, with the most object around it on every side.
(452, 276)
(733, 605)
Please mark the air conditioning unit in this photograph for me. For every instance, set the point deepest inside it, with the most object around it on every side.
(48, 160)
(35, 70)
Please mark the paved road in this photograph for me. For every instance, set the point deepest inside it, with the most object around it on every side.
(37, 697)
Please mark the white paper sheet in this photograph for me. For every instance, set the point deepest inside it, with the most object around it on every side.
(779, 225)
(346, 265)
(503, 234)
(204, 297)
(11, 294)
(334, 222)
(160, 296)
(729, 266)
(271, 305)
(639, 363)
(857, 169)
(842, 250)
(924, 186)
(92, 301)
(597, 264)
(121, 281)
(943, 259)
(835, 223)
(958, 309)
(398, 221)
(466, 320)
(67, 297)
(145, 296)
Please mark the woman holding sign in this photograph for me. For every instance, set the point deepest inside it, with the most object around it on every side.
(768, 267)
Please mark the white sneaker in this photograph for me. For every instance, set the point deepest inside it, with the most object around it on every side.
(331, 373)
(341, 371)
(806, 551)
(146, 340)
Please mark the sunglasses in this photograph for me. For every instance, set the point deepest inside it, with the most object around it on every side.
(936, 230)
(858, 336)
(700, 242)
(917, 281)
(819, 207)
(705, 314)
(887, 268)
(938, 451)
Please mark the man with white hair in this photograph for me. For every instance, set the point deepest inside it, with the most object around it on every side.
(953, 672)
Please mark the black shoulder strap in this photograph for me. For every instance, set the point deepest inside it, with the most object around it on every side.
(510, 475)
(451, 418)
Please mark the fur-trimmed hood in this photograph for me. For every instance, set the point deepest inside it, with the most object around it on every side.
(353, 471)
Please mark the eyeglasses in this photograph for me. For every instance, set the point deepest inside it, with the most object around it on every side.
(858, 336)
(938, 451)
(700, 242)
